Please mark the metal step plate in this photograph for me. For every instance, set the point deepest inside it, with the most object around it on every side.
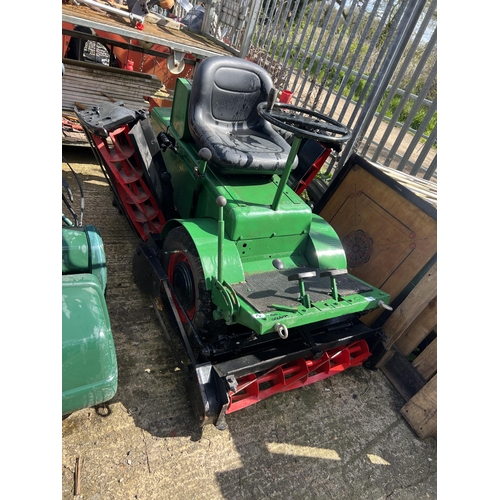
(264, 289)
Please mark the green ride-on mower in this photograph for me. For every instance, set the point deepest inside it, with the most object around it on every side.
(255, 283)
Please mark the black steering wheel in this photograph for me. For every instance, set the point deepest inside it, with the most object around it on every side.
(305, 123)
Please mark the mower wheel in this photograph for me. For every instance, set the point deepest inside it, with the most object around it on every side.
(182, 263)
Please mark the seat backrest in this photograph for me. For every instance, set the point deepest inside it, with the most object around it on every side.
(223, 116)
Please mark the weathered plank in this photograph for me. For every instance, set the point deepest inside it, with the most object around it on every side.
(421, 410)
(426, 362)
(411, 307)
(423, 324)
(402, 374)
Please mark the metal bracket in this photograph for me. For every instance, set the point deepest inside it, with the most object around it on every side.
(306, 335)
(225, 299)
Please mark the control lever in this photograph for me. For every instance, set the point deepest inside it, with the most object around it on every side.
(221, 203)
(333, 282)
(205, 156)
(271, 98)
(304, 297)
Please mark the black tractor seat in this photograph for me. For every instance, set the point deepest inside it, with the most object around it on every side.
(223, 117)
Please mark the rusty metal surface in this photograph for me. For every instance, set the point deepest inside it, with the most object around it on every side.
(182, 40)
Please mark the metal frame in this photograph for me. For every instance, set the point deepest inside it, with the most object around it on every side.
(294, 43)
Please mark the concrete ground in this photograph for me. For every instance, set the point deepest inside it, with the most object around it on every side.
(342, 438)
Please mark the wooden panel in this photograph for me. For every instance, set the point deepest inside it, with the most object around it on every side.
(426, 361)
(402, 374)
(419, 329)
(388, 239)
(418, 299)
(405, 318)
(421, 410)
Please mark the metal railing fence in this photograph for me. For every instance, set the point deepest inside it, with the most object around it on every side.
(370, 64)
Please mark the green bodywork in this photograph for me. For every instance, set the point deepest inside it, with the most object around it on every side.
(89, 365)
(259, 227)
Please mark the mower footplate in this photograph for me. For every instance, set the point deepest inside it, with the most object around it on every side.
(265, 289)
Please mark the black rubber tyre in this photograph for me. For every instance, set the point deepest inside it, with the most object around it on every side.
(181, 262)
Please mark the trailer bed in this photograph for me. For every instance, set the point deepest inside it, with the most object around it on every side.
(175, 39)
